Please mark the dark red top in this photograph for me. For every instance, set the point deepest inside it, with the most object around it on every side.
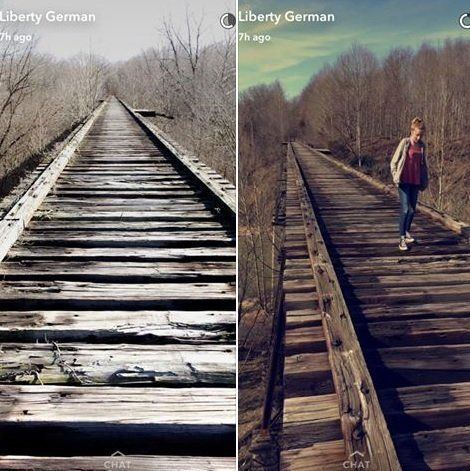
(412, 169)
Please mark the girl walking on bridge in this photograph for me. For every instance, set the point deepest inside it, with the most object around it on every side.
(410, 173)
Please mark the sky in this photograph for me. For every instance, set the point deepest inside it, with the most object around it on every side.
(123, 28)
(297, 51)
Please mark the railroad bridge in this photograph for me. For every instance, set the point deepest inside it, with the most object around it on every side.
(374, 353)
(117, 300)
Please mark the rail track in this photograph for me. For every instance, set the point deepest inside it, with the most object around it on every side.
(117, 299)
(377, 354)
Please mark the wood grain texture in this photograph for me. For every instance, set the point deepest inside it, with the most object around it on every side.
(311, 432)
(410, 312)
(112, 405)
(117, 315)
(362, 422)
(160, 327)
(133, 462)
(220, 187)
(85, 364)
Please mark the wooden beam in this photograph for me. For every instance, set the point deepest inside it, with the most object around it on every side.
(152, 114)
(363, 424)
(103, 364)
(99, 463)
(15, 221)
(414, 408)
(23, 291)
(193, 327)
(145, 112)
(329, 456)
(161, 254)
(444, 450)
(96, 420)
(222, 189)
(171, 407)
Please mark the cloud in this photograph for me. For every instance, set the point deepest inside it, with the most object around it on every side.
(297, 51)
(288, 51)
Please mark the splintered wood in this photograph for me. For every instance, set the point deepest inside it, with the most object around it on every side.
(124, 276)
(410, 312)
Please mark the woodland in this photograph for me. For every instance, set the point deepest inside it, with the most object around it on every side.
(188, 82)
(358, 107)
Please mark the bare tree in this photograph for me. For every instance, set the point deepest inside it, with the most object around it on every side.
(263, 118)
(41, 98)
(194, 83)
(361, 107)
(16, 79)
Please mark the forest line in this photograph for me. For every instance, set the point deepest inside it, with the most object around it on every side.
(359, 107)
(191, 84)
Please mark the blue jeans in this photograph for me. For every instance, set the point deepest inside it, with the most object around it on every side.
(408, 199)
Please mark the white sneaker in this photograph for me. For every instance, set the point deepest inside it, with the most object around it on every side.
(402, 245)
(409, 239)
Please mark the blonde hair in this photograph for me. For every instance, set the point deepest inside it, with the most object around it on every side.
(417, 123)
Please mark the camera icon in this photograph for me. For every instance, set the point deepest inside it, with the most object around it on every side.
(464, 20)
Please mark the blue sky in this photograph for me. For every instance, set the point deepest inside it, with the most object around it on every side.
(299, 50)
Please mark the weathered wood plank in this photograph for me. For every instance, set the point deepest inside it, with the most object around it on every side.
(413, 259)
(111, 405)
(304, 339)
(310, 420)
(82, 208)
(112, 326)
(79, 420)
(425, 357)
(124, 215)
(420, 294)
(158, 365)
(34, 295)
(416, 408)
(92, 179)
(295, 301)
(378, 311)
(154, 194)
(307, 374)
(133, 462)
(117, 271)
(367, 251)
(439, 450)
(396, 333)
(327, 456)
(128, 239)
(137, 203)
(130, 226)
(362, 421)
(156, 254)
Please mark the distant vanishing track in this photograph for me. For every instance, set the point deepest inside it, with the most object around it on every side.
(125, 276)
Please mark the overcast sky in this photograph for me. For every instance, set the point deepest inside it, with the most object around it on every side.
(122, 29)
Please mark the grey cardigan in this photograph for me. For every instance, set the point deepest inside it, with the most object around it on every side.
(398, 162)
